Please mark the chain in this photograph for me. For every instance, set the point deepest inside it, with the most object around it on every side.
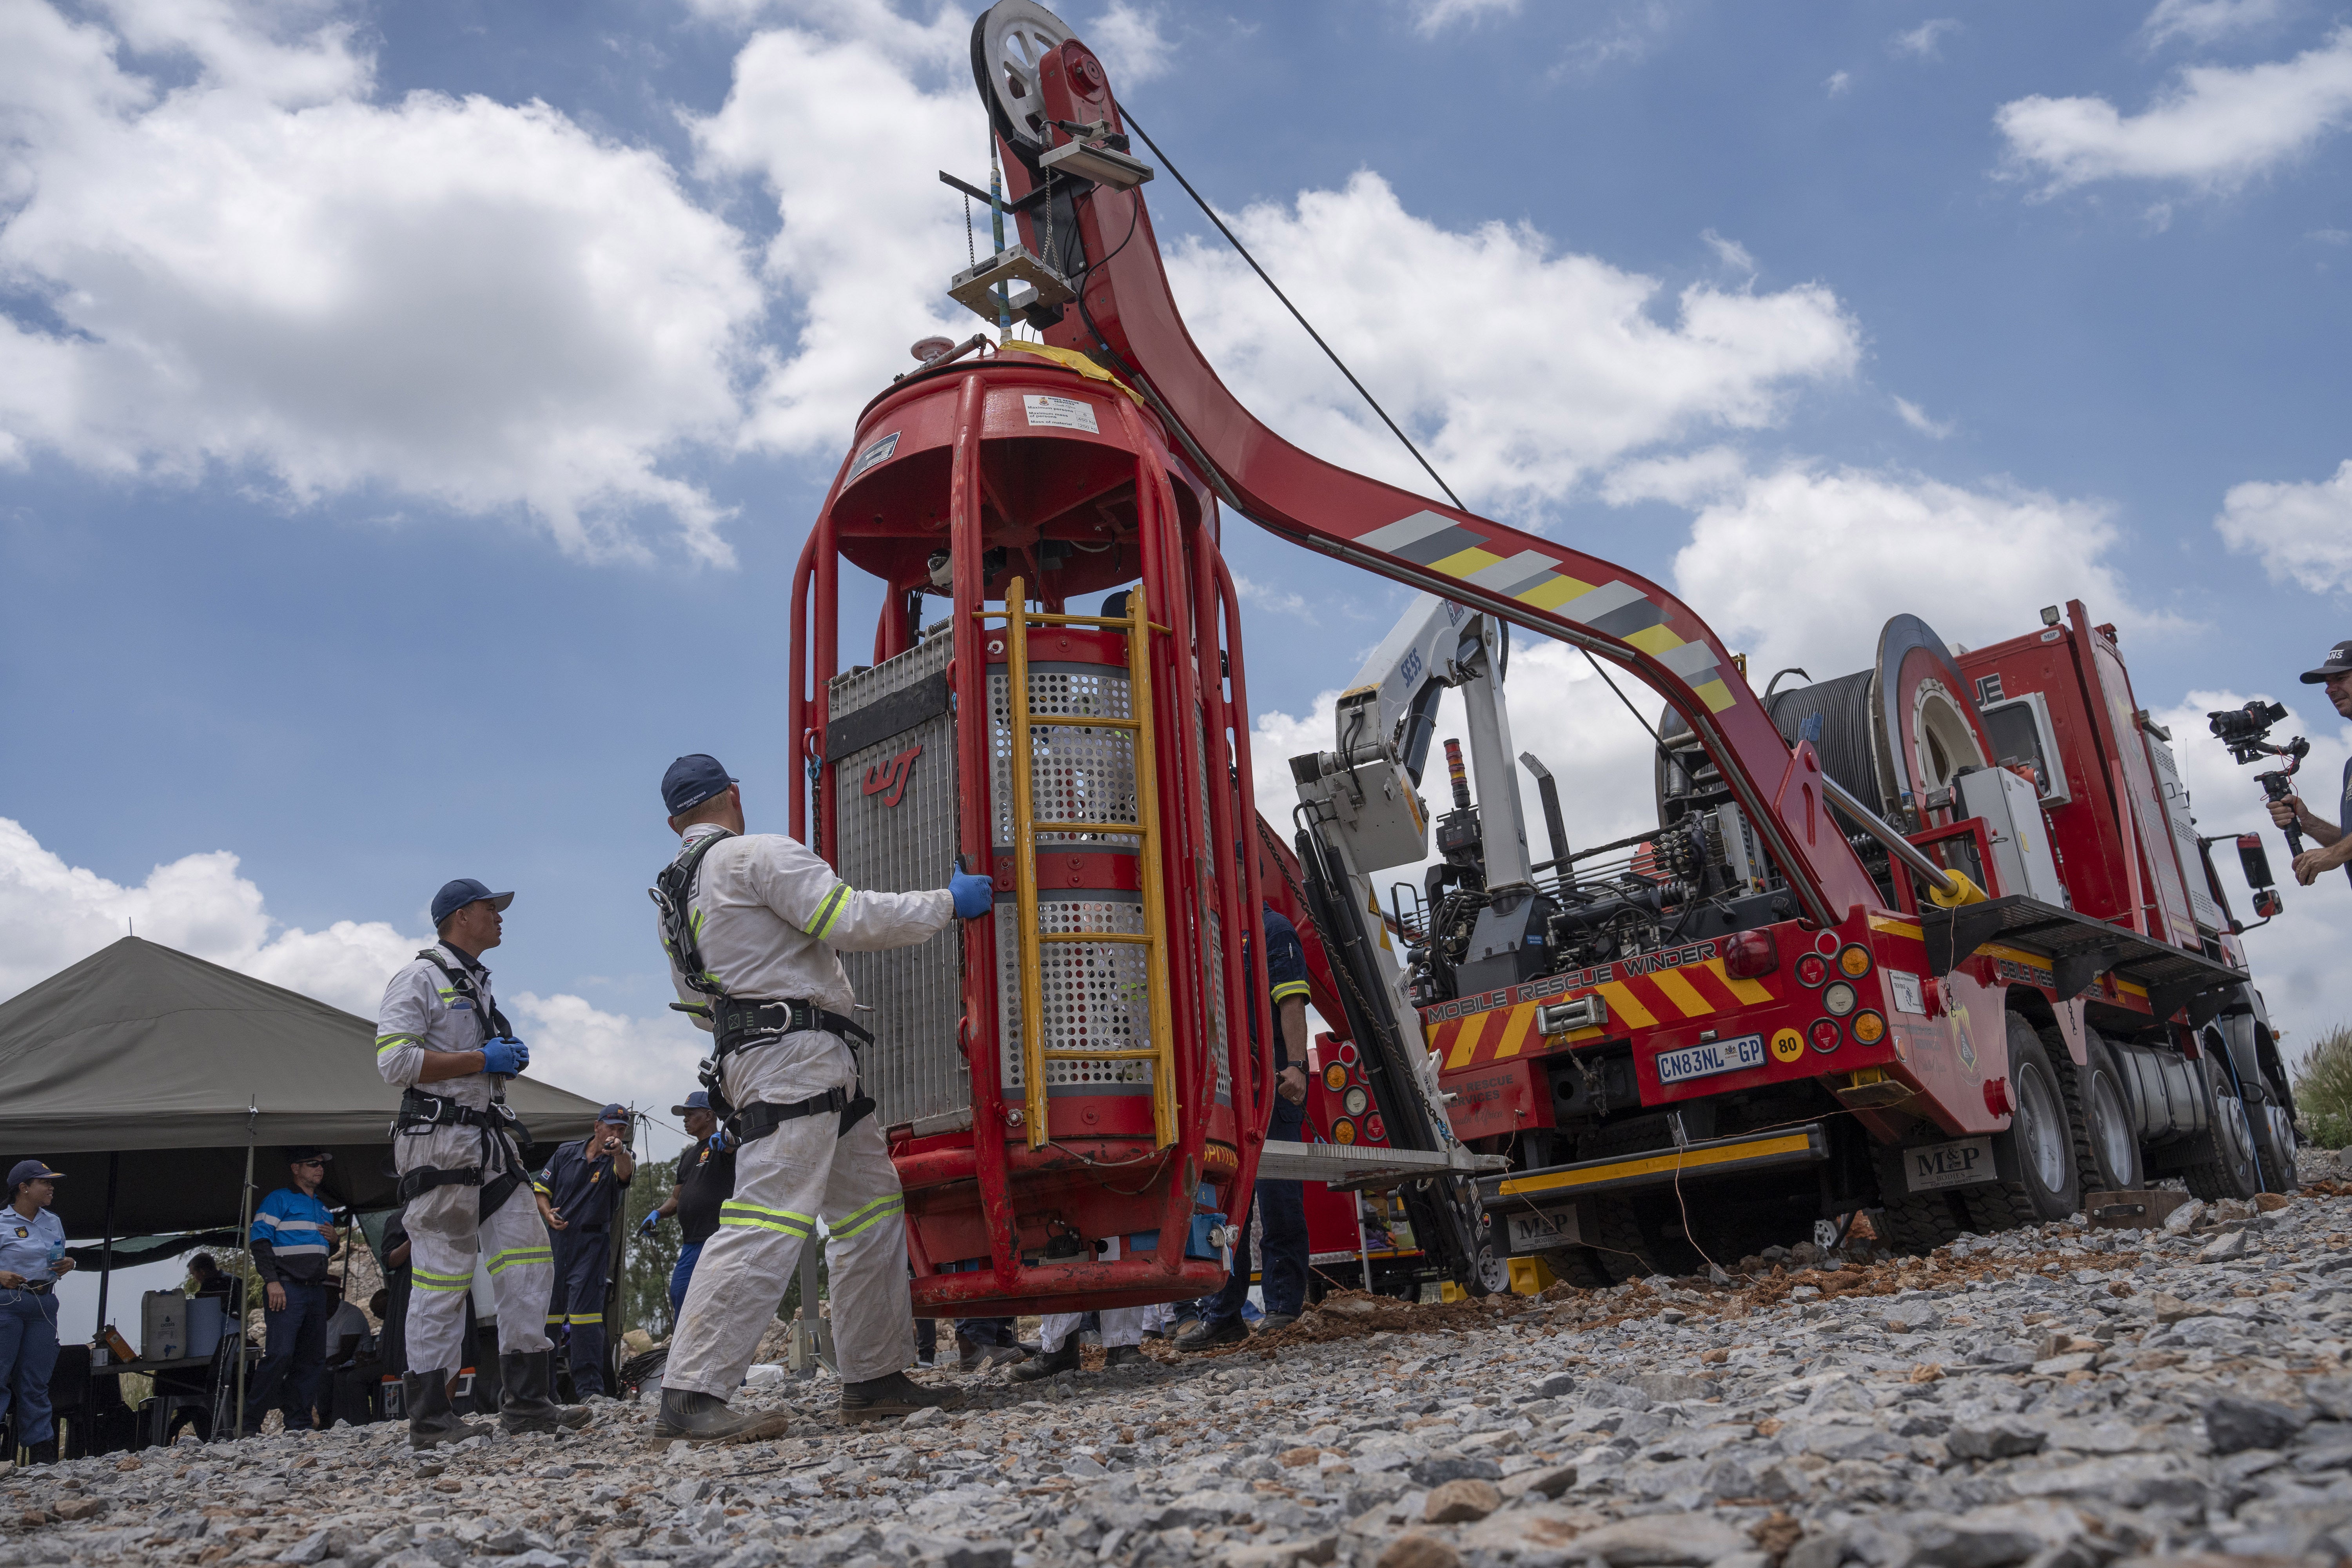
(970, 247)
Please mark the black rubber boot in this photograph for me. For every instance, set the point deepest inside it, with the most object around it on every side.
(885, 1398)
(1124, 1356)
(1036, 1369)
(1202, 1336)
(705, 1419)
(44, 1452)
(431, 1422)
(529, 1377)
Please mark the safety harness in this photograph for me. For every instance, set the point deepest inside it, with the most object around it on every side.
(740, 1023)
(502, 1131)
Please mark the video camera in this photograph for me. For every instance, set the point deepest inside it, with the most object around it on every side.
(2246, 731)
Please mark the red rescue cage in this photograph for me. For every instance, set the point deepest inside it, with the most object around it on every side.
(1071, 1099)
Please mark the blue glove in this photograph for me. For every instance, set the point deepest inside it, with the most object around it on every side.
(718, 1143)
(505, 1055)
(974, 895)
(650, 1224)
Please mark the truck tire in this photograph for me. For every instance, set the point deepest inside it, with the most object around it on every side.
(2221, 1160)
(1577, 1265)
(2107, 1144)
(1625, 1252)
(2036, 1153)
(1921, 1223)
(2275, 1136)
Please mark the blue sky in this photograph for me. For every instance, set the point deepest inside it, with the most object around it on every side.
(410, 415)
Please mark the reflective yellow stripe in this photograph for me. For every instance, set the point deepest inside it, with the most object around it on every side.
(429, 1274)
(1655, 1164)
(392, 1043)
(522, 1255)
(582, 1319)
(1290, 988)
(830, 911)
(437, 1282)
(751, 1216)
(872, 1214)
(554, 1319)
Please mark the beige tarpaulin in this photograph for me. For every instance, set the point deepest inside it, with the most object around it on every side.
(175, 1064)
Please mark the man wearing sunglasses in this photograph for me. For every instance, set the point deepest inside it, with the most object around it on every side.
(293, 1234)
(2334, 673)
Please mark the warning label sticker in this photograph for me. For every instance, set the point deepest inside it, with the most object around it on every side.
(1061, 412)
(878, 453)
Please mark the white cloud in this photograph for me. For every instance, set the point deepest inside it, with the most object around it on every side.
(260, 270)
(1433, 17)
(2297, 959)
(1838, 84)
(2206, 21)
(2301, 532)
(1925, 41)
(54, 914)
(1127, 37)
(1735, 257)
(1280, 601)
(2215, 128)
(1778, 564)
(1562, 368)
(1637, 27)
(866, 260)
(1916, 417)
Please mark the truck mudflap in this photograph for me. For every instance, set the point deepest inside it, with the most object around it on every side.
(1536, 1207)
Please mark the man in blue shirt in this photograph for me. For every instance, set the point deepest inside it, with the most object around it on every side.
(293, 1233)
(31, 1258)
(1281, 1219)
(579, 1195)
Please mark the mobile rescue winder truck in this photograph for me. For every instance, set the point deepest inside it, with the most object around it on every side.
(1936, 939)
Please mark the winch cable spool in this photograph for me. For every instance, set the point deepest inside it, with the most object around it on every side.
(1845, 704)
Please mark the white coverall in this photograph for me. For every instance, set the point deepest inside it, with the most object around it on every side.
(1120, 1326)
(422, 1012)
(769, 916)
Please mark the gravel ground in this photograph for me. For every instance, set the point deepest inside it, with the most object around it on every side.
(2056, 1397)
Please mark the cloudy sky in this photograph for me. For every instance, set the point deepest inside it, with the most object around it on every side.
(409, 414)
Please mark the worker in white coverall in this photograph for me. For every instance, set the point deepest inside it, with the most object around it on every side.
(462, 1178)
(1122, 1338)
(752, 925)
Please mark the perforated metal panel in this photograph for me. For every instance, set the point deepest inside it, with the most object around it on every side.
(1096, 995)
(1075, 774)
(912, 1068)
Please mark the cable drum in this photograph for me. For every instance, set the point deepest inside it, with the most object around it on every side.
(1846, 706)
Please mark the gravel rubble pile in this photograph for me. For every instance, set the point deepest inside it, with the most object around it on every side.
(2058, 1397)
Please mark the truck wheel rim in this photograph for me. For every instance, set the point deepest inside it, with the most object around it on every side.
(2110, 1127)
(2238, 1132)
(2281, 1127)
(2037, 1106)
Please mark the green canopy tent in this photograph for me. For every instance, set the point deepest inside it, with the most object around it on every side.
(144, 1076)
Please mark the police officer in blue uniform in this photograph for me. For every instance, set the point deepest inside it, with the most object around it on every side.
(293, 1235)
(579, 1196)
(1281, 1222)
(32, 1259)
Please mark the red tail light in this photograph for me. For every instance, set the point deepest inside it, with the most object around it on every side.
(1750, 955)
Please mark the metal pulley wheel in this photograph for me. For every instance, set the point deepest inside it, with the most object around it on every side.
(1009, 42)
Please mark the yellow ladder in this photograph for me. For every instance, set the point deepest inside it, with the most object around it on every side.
(1153, 938)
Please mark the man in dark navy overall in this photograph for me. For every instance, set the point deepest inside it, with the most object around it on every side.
(1281, 1222)
(580, 1196)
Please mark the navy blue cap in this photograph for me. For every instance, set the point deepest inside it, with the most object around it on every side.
(691, 781)
(614, 1112)
(24, 1170)
(699, 1101)
(455, 896)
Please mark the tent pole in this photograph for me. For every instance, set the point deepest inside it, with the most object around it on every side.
(106, 1251)
(244, 1230)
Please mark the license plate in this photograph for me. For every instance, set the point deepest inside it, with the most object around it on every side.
(1715, 1057)
(1544, 1229)
(1963, 1162)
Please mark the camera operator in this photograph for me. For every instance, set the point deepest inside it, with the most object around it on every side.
(2334, 673)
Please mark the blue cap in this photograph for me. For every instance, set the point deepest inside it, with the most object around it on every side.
(691, 781)
(455, 896)
(614, 1112)
(24, 1170)
(699, 1101)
